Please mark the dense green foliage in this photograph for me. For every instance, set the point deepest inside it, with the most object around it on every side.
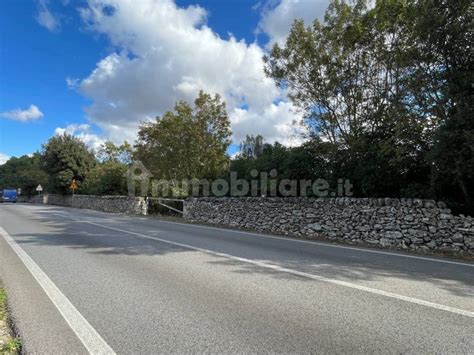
(107, 177)
(66, 158)
(25, 172)
(445, 32)
(187, 143)
(386, 93)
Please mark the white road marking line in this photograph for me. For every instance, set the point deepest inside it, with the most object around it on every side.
(298, 273)
(289, 239)
(89, 337)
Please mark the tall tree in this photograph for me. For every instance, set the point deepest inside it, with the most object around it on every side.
(444, 33)
(107, 177)
(251, 147)
(350, 77)
(189, 142)
(348, 73)
(109, 152)
(65, 158)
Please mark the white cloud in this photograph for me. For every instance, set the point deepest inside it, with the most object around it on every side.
(277, 20)
(46, 18)
(3, 158)
(30, 114)
(165, 53)
(278, 122)
(83, 132)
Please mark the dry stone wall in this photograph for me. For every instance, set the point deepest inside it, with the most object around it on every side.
(421, 225)
(114, 204)
(413, 224)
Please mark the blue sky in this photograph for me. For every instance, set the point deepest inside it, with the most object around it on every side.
(64, 67)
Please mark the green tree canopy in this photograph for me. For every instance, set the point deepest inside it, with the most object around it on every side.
(389, 86)
(444, 34)
(25, 172)
(105, 178)
(65, 158)
(348, 73)
(189, 142)
(109, 152)
(251, 147)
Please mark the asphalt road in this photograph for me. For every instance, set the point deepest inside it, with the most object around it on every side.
(82, 280)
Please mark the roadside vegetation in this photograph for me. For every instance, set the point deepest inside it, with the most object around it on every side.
(386, 100)
(8, 344)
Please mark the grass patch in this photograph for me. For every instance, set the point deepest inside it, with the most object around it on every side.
(3, 303)
(8, 344)
(12, 346)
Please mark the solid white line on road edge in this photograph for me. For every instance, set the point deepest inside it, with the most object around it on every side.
(289, 239)
(89, 337)
(299, 273)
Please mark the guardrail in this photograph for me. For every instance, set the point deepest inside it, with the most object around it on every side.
(163, 202)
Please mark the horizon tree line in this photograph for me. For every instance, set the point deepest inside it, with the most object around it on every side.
(384, 91)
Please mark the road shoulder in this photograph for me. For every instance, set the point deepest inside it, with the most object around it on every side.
(37, 321)
(9, 343)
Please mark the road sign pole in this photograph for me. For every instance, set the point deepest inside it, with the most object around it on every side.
(73, 187)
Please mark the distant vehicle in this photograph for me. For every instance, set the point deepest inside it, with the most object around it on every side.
(9, 195)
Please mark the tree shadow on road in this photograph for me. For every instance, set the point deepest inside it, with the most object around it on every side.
(348, 265)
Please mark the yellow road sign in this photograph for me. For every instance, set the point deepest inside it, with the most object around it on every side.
(73, 185)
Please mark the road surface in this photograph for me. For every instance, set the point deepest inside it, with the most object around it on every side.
(84, 281)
